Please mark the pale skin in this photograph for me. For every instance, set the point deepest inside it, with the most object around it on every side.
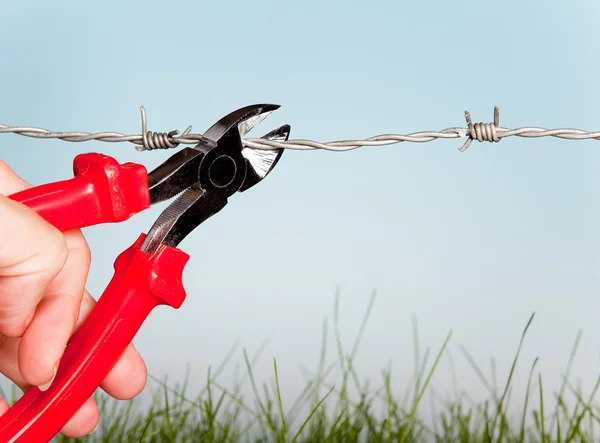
(42, 288)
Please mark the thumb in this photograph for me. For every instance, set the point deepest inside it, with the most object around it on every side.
(32, 253)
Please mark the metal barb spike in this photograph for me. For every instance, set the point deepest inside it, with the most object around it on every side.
(482, 131)
(158, 140)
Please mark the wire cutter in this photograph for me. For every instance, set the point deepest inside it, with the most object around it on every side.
(148, 273)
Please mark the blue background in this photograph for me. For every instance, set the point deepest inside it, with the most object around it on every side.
(474, 242)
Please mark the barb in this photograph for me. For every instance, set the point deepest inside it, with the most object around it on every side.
(488, 132)
(482, 131)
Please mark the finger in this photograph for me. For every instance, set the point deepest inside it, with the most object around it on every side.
(10, 182)
(9, 350)
(3, 406)
(58, 311)
(19, 264)
(129, 375)
(83, 421)
(32, 253)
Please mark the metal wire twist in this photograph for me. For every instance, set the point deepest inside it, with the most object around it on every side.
(482, 132)
(159, 140)
(146, 141)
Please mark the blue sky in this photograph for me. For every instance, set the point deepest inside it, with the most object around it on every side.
(474, 242)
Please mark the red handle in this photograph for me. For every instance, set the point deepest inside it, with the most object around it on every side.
(102, 191)
(140, 283)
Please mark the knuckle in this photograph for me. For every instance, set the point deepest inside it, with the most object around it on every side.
(55, 250)
(77, 244)
(12, 330)
(10, 182)
(86, 252)
(5, 169)
(28, 244)
(14, 322)
(6, 173)
(84, 421)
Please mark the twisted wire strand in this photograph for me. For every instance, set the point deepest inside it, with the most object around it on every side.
(482, 132)
(148, 140)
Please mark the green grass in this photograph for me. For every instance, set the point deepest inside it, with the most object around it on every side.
(351, 411)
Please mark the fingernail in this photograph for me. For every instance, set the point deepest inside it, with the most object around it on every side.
(45, 386)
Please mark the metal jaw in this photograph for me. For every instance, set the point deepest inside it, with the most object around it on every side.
(209, 175)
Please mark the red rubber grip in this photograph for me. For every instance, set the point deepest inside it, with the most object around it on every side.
(102, 191)
(141, 282)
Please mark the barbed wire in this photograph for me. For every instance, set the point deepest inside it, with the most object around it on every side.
(482, 132)
(146, 141)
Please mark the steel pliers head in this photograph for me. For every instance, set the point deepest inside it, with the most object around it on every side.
(209, 173)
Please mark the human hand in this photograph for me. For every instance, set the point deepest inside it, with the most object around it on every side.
(43, 301)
